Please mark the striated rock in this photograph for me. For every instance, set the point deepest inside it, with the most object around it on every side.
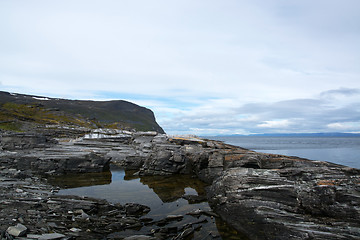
(275, 204)
(163, 160)
(18, 141)
(59, 161)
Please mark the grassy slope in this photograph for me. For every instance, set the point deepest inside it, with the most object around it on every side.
(16, 109)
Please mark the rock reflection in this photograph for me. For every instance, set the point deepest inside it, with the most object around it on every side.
(172, 188)
(80, 180)
(228, 233)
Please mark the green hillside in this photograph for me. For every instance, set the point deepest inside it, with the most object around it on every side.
(19, 112)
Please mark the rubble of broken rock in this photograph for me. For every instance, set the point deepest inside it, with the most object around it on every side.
(264, 196)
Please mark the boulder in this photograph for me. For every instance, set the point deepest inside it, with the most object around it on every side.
(17, 231)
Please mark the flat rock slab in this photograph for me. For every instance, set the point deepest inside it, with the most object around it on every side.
(17, 231)
(47, 236)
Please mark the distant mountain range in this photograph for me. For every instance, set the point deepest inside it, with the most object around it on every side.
(328, 134)
(19, 112)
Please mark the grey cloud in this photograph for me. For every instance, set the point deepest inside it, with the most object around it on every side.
(340, 91)
(296, 115)
(284, 109)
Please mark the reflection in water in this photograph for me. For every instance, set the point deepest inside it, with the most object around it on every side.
(169, 190)
(163, 194)
(76, 180)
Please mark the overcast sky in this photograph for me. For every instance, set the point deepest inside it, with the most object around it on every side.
(204, 67)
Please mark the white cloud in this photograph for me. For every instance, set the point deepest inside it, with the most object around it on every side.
(337, 126)
(284, 123)
(344, 126)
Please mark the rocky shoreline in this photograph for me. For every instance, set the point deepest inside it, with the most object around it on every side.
(31, 210)
(264, 196)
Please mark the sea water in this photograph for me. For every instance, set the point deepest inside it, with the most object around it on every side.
(340, 150)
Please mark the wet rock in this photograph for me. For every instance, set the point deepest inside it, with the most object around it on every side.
(186, 233)
(195, 212)
(174, 217)
(169, 219)
(134, 209)
(198, 212)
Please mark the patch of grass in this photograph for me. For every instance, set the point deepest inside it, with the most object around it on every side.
(11, 126)
(78, 114)
(39, 115)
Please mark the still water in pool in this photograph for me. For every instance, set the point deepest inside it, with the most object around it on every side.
(163, 194)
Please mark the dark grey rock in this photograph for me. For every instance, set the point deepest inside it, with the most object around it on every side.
(269, 205)
(19, 141)
(134, 209)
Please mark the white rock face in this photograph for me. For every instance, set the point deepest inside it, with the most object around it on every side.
(103, 133)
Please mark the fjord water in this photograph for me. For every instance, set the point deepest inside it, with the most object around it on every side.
(163, 194)
(339, 150)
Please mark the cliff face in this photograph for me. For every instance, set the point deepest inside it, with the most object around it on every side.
(20, 112)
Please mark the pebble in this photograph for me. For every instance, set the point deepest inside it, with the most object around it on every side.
(75, 229)
(18, 190)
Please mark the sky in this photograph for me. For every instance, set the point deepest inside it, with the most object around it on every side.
(204, 67)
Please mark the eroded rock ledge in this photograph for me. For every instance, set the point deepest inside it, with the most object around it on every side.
(265, 196)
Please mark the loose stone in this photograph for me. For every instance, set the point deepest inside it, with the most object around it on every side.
(18, 231)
